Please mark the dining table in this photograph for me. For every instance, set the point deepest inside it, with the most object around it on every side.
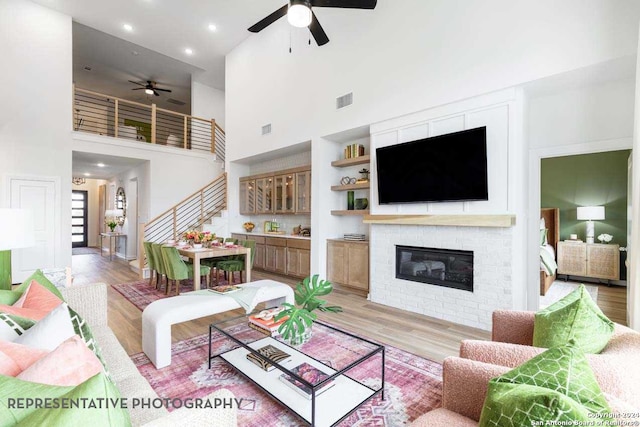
(195, 255)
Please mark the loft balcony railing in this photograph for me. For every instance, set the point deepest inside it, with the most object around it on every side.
(110, 116)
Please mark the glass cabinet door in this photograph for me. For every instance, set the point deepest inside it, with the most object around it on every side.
(243, 196)
(279, 189)
(303, 192)
(251, 196)
(264, 193)
(289, 185)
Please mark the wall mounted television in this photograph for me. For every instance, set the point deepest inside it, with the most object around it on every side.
(444, 168)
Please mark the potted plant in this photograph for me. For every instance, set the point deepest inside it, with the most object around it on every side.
(112, 224)
(300, 317)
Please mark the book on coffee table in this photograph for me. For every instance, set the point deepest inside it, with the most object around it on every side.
(272, 353)
(310, 374)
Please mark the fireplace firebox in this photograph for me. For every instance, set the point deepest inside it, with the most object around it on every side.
(442, 267)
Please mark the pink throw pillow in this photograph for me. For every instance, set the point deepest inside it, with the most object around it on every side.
(15, 358)
(70, 364)
(38, 297)
(29, 313)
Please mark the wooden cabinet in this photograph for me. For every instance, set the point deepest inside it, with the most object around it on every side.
(348, 263)
(284, 193)
(298, 258)
(281, 192)
(303, 192)
(264, 195)
(259, 260)
(276, 255)
(280, 254)
(247, 197)
(589, 260)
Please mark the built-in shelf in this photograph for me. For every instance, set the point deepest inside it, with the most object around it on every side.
(351, 162)
(351, 212)
(363, 186)
(445, 220)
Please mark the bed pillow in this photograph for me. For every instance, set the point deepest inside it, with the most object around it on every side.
(575, 317)
(71, 363)
(557, 385)
(39, 277)
(96, 387)
(12, 326)
(15, 358)
(49, 332)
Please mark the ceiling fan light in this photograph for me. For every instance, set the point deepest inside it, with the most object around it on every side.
(148, 91)
(299, 14)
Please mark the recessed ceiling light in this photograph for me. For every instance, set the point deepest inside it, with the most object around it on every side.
(127, 27)
(212, 27)
(101, 165)
(87, 174)
(188, 51)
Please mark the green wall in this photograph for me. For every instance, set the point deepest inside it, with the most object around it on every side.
(588, 180)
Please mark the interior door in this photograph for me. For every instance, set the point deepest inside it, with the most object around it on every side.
(38, 195)
(633, 244)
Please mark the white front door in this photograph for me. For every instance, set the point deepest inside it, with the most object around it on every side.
(38, 195)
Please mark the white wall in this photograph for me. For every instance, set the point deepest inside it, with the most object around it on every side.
(35, 126)
(207, 103)
(93, 217)
(409, 55)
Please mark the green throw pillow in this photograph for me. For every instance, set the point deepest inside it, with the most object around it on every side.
(94, 389)
(575, 317)
(9, 297)
(39, 277)
(12, 326)
(557, 385)
(543, 237)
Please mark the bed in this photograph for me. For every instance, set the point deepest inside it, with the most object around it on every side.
(549, 237)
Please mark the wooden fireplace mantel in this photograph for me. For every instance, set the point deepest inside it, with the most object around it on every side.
(461, 220)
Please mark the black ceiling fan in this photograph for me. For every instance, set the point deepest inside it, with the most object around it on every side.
(149, 88)
(300, 14)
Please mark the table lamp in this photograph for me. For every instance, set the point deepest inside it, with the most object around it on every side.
(17, 230)
(590, 214)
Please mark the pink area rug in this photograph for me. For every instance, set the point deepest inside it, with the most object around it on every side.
(141, 294)
(413, 385)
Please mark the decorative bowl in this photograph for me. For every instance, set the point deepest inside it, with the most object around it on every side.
(197, 246)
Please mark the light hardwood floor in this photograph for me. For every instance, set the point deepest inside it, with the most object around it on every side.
(424, 336)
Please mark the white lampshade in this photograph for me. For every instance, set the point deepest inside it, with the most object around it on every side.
(17, 229)
(590, 213)
(299, 15)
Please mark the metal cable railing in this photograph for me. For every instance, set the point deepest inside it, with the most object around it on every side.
(110, 116)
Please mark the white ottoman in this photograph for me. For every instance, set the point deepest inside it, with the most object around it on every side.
(158, 317)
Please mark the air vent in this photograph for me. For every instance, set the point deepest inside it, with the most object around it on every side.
(87, 68)
(175, 101)
(344, 101)
(266, 129)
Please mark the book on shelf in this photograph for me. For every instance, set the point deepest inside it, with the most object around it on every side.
(272, 353)
(267, 332)
(310, 374)
(225, 289)
(353, 150)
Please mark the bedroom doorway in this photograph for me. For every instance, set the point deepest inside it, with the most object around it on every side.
(578, 193)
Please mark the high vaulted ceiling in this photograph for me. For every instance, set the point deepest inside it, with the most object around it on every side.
(170, 26)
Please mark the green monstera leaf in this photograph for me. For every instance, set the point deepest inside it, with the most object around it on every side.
(306, 298)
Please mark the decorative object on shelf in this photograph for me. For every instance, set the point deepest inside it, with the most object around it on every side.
(590, 214)
(76, 180)
(365, 176)
(297, 328)
(113, 218)
(248, 226)
(355, 237)
(305, 231)
(350, 200)
(605, 238)
(17, 228)
(573, 237)
(347, 180)
(267, 226)
(362, 204)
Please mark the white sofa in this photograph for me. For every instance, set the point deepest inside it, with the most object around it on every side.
(90, 301)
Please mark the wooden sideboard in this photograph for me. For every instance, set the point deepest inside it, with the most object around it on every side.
(348, 263)
(281, 255)
(589, 260)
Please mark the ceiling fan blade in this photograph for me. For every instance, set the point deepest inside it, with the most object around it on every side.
(317, 31)
(155, 93)
(269, 19)
(347, 4)
(139, 88)
(136, 83)
(163, 90)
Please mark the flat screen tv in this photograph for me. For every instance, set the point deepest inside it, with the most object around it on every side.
(445, 168)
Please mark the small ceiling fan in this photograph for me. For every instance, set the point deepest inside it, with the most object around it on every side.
(300, 14)
(149, 88)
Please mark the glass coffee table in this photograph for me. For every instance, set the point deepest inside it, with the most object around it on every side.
(353, 368)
